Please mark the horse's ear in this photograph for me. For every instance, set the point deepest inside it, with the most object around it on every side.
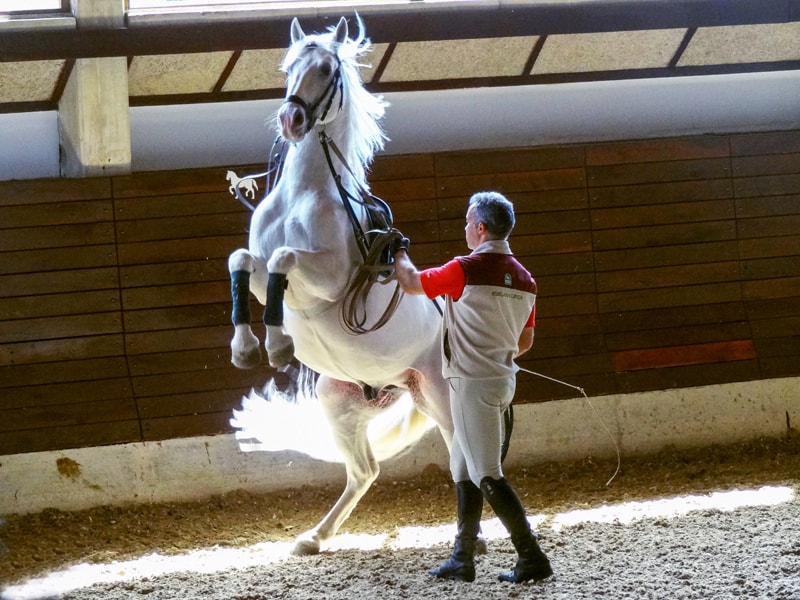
(340, 35)
(296, 31)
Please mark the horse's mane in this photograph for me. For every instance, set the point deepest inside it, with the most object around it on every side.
(362, 134)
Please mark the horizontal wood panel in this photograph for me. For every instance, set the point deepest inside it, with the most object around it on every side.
(662, 256)
(60, 236)
(508, 183)
(766, 165)
(61, 349)
(503, 161)
(65, 415)
(660, 264)
(143, 253)
(550, 200)
(681, 170)
(644, 151)
(181, 361)
(664, 235)
(211, 203)
(773, 142)
(677, 336)
(768, 207)
(408, 197)
(665, 192)
(57, 259)
(407, 166)
(47, 282)
(181, 317)
(686, 296)
(662, 214)
(161, 183)
(187, 226)
(49, 191)
(205, 292)
(62, 213)
(63, 372)
(690, 354)
(157, 407)
(674, 317)
(66, 326)
(83, 302)
(689, 376)
(186, 425)
(75, 436)
(772, 185)
(27, 396)
(667, 277)
(170, 340)
(174, 272)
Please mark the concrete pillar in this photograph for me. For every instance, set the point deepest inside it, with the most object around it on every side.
(93, 115)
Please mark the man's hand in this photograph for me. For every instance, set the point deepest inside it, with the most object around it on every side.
(398, 243)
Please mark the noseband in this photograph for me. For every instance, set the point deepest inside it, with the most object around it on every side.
(329, 91)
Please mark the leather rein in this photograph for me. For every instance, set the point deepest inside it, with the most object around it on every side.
(374, 243)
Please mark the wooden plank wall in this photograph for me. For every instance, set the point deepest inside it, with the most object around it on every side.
(660, 264)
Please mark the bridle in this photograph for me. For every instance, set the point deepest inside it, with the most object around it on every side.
(329, 92)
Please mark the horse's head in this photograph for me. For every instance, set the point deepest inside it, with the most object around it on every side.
(314, 85)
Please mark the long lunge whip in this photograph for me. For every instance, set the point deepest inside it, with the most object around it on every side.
(589, 402)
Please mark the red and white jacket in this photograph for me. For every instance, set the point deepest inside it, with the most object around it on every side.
(489, 298)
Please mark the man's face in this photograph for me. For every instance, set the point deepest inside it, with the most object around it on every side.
(471, 230)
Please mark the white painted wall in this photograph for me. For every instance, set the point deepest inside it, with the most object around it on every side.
(226, 134)
(29, 145)
(196, 468)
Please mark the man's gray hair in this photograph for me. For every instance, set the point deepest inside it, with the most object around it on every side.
(495, 211)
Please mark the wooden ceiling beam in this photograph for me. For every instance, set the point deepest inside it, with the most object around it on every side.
(421, 23)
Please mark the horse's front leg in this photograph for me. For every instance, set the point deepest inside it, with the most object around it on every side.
(317, 276)
(348, 416)
(247, 272)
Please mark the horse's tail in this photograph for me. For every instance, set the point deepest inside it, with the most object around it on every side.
(397, 428)
(272, 420)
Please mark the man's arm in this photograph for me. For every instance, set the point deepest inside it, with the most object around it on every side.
(407, 274)
(525, 342)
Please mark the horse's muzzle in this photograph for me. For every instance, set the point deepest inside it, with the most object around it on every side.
(293, 121)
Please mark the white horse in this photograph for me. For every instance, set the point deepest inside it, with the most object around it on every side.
(302, 244)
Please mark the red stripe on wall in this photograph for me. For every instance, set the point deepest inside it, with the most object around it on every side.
(674, 356)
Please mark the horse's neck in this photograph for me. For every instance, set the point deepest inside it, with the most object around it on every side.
(308, 162)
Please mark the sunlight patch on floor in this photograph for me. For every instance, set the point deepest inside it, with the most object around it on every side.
(675, 507)
(222, 559)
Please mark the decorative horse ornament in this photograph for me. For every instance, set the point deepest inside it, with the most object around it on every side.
(250, 186)
(301, 260)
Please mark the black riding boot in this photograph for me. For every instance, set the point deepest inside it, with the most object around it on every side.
(461, 563)
(532, 562)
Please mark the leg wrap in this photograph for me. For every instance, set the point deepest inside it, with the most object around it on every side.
(276, 286)
(240, 294)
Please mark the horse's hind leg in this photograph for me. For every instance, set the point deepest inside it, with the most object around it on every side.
(245, 269)
(344, 406)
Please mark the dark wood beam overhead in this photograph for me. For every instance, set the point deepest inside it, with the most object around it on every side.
(425, 22)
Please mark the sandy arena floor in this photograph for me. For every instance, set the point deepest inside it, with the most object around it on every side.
(710, 543)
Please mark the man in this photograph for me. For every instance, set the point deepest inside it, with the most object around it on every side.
(488, 321)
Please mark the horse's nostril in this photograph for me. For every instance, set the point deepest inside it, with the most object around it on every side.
(297, 119)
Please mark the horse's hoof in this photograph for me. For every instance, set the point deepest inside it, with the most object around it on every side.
(245, 348)
(246, 360)
(282, 356)
(305, 548)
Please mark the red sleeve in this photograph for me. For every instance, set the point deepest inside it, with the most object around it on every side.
(531, 318)
(447, 280)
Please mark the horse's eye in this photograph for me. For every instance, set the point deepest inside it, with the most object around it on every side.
(325, 69)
